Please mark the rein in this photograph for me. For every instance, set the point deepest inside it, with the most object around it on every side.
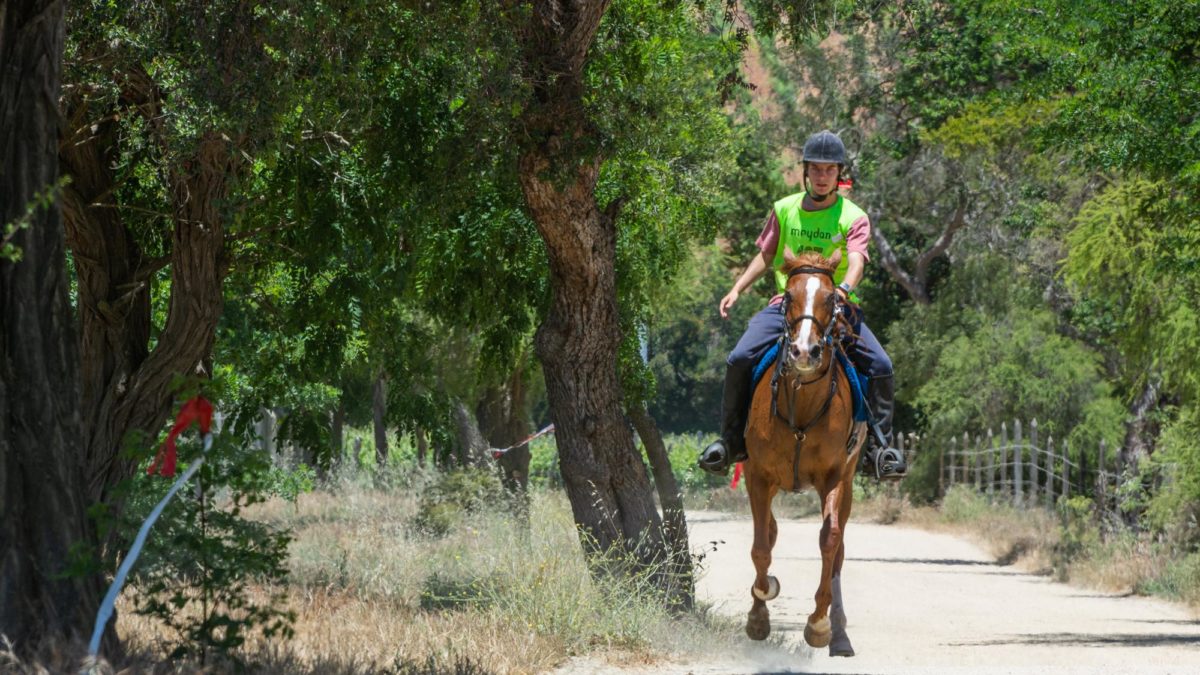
(801, 432)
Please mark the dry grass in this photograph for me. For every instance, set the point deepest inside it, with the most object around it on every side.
(1028, 538)
(369, 590)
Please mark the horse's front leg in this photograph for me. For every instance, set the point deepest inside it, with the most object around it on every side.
(840, 645)
(818, 632)
(766, 587)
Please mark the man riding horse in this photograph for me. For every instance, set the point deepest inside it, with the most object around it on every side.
(819, 220)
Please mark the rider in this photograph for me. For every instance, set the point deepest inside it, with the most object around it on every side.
(821, 220)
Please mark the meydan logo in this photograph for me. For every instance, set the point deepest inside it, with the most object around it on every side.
(811, 234)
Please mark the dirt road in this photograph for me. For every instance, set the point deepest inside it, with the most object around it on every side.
(919, 602)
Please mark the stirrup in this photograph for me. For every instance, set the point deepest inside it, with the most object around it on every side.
(887, 464)
(717, 457)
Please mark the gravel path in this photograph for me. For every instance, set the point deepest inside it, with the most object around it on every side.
(921, 602)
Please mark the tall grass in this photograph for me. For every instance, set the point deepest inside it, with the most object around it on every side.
(370, 584)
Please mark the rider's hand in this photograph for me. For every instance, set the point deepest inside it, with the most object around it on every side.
(842, 292)
(727, 302)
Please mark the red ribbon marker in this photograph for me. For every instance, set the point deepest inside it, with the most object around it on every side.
(196, 410)
(737, 475)
(497, 453)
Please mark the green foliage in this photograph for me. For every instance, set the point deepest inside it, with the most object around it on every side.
(1134, 252)
(986, 352)
(963, 504)
(687, 342)
(683, 450)
(1175, 507)
(197, 568)
(454, 496)
(1079, 532)
(1125, 73)
(1179, 581)
(543, 463)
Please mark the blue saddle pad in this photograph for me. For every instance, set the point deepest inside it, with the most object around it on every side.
(764, 362)
(858, 382)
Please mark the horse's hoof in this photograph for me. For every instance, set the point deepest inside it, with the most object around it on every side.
(758, 624)
(772, 589)
(818, 634)
(841, 646)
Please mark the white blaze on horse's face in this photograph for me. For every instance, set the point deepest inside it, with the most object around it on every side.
(804, 343)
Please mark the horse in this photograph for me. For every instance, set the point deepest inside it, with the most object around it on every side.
(801, 433)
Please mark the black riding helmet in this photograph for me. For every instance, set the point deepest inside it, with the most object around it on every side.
(824, 146)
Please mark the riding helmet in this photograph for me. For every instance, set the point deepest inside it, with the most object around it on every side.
(825, 146)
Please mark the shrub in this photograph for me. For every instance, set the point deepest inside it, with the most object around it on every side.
(203, 556)
(1180, 580)
(963, 504)
(453, 495)
(1079, 534)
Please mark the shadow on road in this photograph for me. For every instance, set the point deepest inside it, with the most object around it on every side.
(1088, 640)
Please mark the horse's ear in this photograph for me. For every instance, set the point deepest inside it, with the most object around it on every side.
(788, 256)
(836, 258)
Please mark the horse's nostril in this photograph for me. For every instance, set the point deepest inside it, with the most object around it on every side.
(815, 353)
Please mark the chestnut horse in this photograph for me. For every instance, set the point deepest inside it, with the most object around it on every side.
(801, 434)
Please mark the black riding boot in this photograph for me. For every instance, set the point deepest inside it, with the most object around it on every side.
(884, 462)
(735, 404)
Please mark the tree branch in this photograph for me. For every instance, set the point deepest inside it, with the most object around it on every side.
(957, 222)
(887, 257)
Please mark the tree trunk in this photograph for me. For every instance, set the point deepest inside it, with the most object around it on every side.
(337, 434)
(42, 508)
(422, 446)
(504, 421)
(577, 341)
(126, 387)
(267, 431)
(473, 450)
(379, 410)
(1140, 433)
(683, 593)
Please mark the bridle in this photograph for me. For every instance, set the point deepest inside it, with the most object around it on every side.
(800, 432)
(825, 329)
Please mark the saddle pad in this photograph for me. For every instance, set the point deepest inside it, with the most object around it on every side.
(764, 362)
(858, 386)
(858, 382)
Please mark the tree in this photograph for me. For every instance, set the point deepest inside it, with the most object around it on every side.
(578, 340)
(43, 524)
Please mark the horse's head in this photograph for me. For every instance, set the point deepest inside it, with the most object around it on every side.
(810, 309)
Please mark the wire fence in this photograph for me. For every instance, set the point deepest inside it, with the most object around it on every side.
(1020, 468)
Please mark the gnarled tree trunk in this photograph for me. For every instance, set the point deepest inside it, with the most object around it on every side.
(126, 387)
(577, 341)
(42, 507)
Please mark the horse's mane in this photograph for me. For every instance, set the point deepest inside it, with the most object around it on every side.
(808, 259)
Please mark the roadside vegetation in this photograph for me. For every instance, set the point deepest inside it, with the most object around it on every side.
(441, 570)
(383, 234)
